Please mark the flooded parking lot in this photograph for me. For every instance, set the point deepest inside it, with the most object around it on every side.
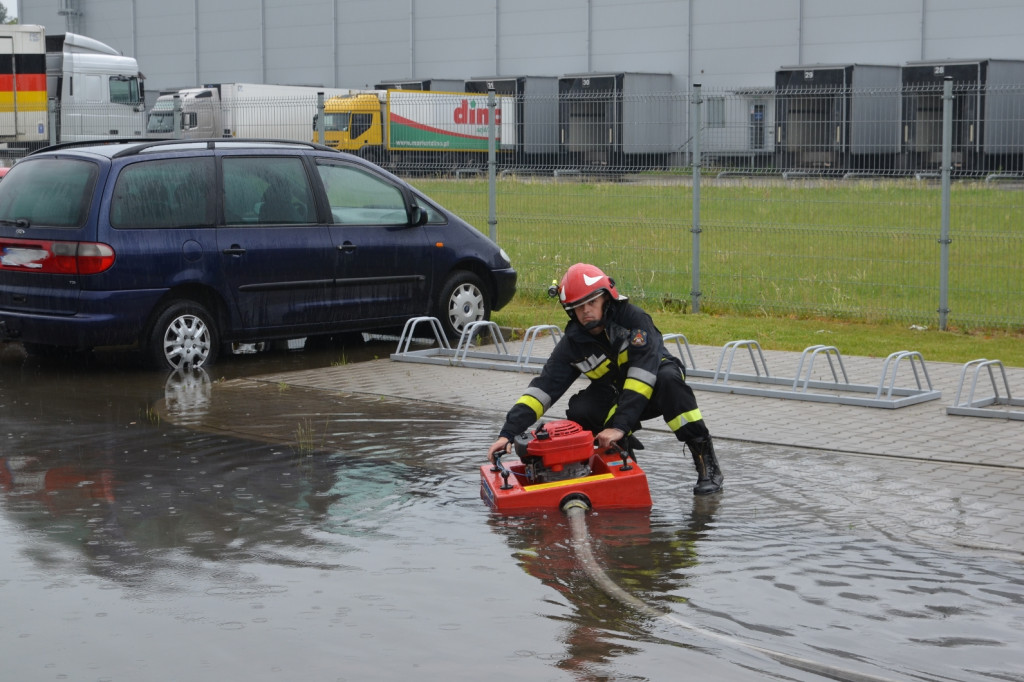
(209, 527)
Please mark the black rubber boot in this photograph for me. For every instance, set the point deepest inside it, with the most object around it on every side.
(709, 475)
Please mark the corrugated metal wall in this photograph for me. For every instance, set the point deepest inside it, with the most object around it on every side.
(355, 43)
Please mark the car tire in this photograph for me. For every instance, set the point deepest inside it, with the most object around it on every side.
(184, 335)
(463, 299)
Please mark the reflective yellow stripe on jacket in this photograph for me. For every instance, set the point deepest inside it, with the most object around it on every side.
(640, 381)
(537, 400)
(594, 367)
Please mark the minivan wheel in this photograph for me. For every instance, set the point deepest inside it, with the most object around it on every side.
(463, 300)
(184, 336)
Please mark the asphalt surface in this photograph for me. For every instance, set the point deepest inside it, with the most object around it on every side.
(977, 462)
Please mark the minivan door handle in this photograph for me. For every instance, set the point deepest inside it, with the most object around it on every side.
(234, 250)
(347, 247)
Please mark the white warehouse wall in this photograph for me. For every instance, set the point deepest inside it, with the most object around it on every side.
(868, 31)
(355, 43)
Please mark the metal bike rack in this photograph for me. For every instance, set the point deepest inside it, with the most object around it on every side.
(681, 343)
(464, 355)
(723, 379)
(830, 353)
(983, 407)
(802, 387)
(409, 334)
(472, 329)
(526, 359)
(730, 350)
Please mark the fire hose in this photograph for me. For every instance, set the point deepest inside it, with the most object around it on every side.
(576, 510)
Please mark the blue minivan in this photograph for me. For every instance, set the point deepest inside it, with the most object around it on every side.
(180, 247)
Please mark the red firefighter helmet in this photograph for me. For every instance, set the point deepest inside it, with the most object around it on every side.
(582, 283)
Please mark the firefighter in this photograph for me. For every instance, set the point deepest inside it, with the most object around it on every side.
(632, 376)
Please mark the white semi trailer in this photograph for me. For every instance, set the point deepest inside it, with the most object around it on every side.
(242, 110)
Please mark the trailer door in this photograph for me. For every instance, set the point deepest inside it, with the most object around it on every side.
(8, 93)
(7, 75)
(22, 86)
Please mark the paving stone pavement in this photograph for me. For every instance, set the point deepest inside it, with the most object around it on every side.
(977, 461)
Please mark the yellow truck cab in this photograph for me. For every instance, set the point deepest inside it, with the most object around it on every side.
(354, 122)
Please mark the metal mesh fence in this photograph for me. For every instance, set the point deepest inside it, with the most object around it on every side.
(810, 201)
(824, 202)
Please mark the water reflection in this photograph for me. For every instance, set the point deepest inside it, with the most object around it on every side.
(636, 557)
(187, 395)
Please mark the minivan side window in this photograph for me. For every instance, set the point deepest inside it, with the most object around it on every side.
(358, 197)
(163, 193)
(267, 190)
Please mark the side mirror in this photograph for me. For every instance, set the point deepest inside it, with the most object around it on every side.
(418, 216)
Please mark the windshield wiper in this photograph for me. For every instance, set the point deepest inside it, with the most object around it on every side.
(17, 222)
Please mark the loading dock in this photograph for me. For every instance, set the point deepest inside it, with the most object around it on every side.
(988, 114)
(616, 121)
(837, 117)
(536, 101)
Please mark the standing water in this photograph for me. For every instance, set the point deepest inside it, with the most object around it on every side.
(189, 527)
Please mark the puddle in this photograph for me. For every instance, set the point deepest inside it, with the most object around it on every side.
(278, 533)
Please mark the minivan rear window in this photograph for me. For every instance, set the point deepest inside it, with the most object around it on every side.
(48, 192)
(164, 193)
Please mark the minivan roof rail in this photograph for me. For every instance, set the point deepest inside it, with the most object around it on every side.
(140, 144)
(89, 143)
(212, 143)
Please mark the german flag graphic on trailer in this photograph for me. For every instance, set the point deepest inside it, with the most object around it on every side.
(22, 83)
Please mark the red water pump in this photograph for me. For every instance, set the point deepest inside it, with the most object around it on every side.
(559, 461)
(555, 451)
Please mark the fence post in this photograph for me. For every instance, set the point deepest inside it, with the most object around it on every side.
(320, 124)
(51, 117)
(695, 229)
(492, 189)
(947, 162)
(176, 116)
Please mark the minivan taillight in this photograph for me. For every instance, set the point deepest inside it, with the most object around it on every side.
(94, 257)
(59, 258)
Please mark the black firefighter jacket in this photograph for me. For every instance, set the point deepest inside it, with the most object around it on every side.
(625, 355)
